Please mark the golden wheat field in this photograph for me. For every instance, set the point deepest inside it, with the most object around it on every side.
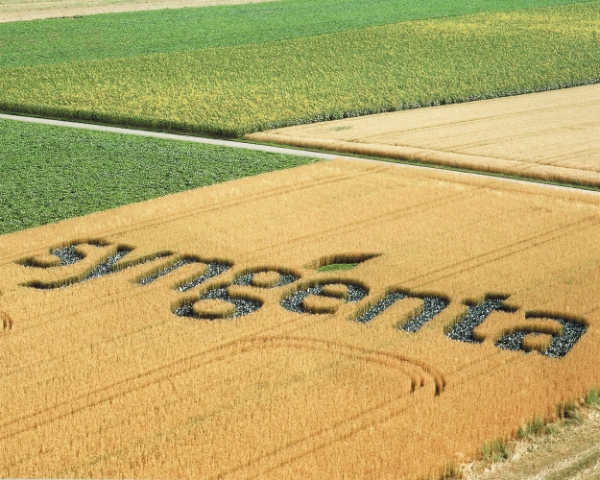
(553, 135)
(194, 336)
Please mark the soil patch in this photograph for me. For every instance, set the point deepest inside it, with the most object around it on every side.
(194, 336)
(552, 135)
(567, 452)
(15, 11)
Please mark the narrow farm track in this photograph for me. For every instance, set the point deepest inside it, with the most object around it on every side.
(570, 452)
(552, 135)
(169, 136)
(241, 144)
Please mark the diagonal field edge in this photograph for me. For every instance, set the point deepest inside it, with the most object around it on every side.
(441, 158)
(399, 153)
(168, 136)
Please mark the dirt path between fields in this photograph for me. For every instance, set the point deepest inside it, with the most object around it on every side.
(232, 144)
(569, 453)
(14, 10)
(552, 135)
(168, 136)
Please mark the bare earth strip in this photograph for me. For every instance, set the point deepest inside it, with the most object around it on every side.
(552, 135)
(14, 11)
(192, 336)
(571, 453)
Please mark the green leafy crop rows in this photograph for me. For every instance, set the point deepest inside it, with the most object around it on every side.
(50, 173)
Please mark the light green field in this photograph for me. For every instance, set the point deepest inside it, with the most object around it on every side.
(130, 34)
(230, 91)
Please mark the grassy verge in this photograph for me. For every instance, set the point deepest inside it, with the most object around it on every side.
(337, 266)
(136, 33)
(548, 449)
(231, 91)
(52, 173)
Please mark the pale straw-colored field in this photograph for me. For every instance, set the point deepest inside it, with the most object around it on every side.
(553, 135)
(119, 361)
(19, 10)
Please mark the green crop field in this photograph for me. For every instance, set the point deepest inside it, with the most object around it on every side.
(230, 91)
(162, 31)
(50, 173)
(231, 70)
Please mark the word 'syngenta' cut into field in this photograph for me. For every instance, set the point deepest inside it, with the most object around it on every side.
(197, 335)
(232, 91)
(548, 135)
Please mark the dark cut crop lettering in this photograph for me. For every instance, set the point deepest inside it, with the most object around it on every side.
(559, 346)
(432, 306)
(294, 302)
(463, 330)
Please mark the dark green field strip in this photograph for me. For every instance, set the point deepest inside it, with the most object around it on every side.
(50, 173)
(135, 33)
(231, 91)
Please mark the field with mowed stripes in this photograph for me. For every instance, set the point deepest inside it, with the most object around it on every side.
(549, 136)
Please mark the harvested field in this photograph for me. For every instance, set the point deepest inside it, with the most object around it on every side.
(551, 135)
(14, 11)
(174, 338)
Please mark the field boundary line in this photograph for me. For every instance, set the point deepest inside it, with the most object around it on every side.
(77, 9)
(476, 163)
(215, 206)
(582, 194)
(402, 153)
(168, 136)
